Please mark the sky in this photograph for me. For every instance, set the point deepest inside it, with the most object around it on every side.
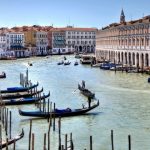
(77, 13)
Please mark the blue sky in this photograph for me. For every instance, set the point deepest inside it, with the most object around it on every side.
(80, 13)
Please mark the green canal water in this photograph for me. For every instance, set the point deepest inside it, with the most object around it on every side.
(124, 104)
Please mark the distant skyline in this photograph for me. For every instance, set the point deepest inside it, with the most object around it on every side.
(78, 13)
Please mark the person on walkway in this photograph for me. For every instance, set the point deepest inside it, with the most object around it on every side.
(89, 101)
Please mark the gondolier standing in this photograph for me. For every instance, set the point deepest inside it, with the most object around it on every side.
(83, 84)
(89, 101)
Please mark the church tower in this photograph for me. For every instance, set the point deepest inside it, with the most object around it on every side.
(122, 17)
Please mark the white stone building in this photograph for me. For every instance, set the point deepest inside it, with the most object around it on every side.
(70, 39)
(125, 42)
(81, 39)
(15, 42)
(3, 41)
(41, 43)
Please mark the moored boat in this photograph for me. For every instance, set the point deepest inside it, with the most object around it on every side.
(22, 101)
(76, 63)
(12, 140)
(107, 65)
(3, 75)
(97, 65)
(60, 63)
(20, 94)
(59, 112)
(86, 59)
(19, 89)
(67, 63)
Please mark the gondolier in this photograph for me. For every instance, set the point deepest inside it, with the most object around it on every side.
(83, 84)
(89, 101)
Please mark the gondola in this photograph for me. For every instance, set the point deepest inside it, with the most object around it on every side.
(86, 92)
(12, 140)
(22, 101)
(59, 112)
(20, 94)
(76, 63)
(60, 63)
(67, 63)
(3, 75)
(30, 64)
(19, 89)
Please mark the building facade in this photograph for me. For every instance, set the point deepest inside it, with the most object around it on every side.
(3, 41)
(70, 39)
(58, 41)
(41, 43)
(125, 42)
(15, 42)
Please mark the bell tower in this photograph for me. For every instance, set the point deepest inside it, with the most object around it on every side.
(122, 17)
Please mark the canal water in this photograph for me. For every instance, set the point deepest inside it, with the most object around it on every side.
(124, 104)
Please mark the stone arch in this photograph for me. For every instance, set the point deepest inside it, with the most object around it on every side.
(126, 61)
(146, 60)
(109, 55)
(119, 59)
(129, 58)
(137, 59)
(142, 60)
(80, 49)
(88, 49)
(133, 58)
(122, 59)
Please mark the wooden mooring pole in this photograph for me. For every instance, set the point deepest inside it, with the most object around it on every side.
(30, 132)
(129, 141)
(32, 141)
(59, 135)
(91, 143)
(112, 140)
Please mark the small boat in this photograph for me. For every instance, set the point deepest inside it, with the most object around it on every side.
(3, 75)
(86, 92)
(59, 112)
(20, 94)
(76, 63)
(60, 63)
(67, 63)
(30, 64)
(12, 140)
(77, 56)
(97, 65)
(108, 66)
(19, 89)
(65, 58)
(22, 101)
(86, 59)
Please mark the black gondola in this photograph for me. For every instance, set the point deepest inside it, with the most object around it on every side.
(76, 63)
(20, 94)
(12, 140)
(60, 63)
(59, 113)
(67, 63)
(3, 75)
(22, 101)
(86, 92)
(19, 89)
(30, 64)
